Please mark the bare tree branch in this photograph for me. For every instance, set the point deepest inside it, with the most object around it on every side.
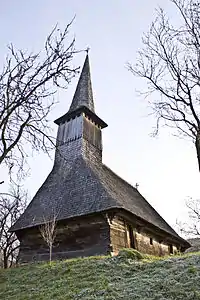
(48, 231)
(192, 227)
(28, 83)
(12, 206)
(170, 63)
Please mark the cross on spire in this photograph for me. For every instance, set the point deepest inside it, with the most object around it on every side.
(137, 185)
(87, 50)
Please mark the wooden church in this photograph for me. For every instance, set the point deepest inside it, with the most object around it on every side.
(97, 212)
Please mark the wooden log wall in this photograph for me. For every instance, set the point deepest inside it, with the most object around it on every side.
(125, 235)
(118, 235)
(87, 236)
(81, 237)
(150, 245)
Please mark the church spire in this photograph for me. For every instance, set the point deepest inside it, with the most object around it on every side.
(83, 95)
(83, 102)
(79, 131)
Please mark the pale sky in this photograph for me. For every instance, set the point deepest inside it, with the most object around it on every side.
(165, 167)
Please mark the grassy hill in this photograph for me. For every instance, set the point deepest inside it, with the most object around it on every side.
(105, 278)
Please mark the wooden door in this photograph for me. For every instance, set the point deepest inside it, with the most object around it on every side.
(131, 238)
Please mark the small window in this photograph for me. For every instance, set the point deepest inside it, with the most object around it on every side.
(151, 241)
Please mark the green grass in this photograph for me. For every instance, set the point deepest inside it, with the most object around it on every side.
(105, 278)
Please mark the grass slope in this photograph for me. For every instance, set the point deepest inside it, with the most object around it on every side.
(105, 278)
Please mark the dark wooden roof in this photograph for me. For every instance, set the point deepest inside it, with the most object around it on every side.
(83, 95)
(83, 98)
(87, 188)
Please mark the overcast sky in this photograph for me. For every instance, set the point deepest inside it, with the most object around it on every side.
(164, 167)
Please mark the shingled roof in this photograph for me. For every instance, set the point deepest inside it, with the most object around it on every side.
(87, 188)
(83, 98)
(81, 186)
(83, 95)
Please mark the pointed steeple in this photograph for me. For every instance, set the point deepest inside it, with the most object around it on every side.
(83, 95)
(83, 102)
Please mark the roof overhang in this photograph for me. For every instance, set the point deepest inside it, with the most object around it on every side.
(83, 109)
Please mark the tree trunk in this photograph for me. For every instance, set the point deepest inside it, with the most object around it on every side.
(197, 144)
(50, 253)
(5, 260)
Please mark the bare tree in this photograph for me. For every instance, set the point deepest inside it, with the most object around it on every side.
(28, 83)
(12, 206)
(192, 227)
(48, 233)
(170, 63)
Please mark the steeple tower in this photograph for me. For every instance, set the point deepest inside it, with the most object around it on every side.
(80, 128)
